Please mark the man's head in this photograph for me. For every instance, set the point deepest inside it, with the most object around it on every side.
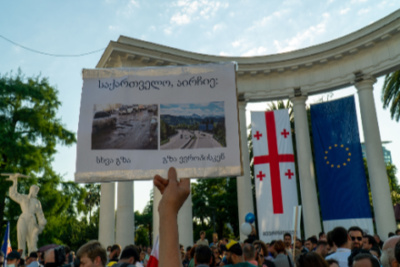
(287, 239)
(368, 242)
(215, 238)
(202, 235)
(356, 236)
(311, 243)
(365, 260)
(388, 258)
(299, 243)
(249, 252)
(129, 255)
(115, 251)
(234, 252)
(33, 191)
(13, 258)
(202, 255)
(340, 237)
(33, 256)
(322, 248)
(322, 236)
(92, 254)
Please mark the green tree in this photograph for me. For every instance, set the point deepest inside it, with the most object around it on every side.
(391, 94)
(144, 222)
(29, 133)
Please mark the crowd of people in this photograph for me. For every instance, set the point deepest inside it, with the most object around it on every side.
(338, 248)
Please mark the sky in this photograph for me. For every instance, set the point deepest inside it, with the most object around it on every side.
(57, 39)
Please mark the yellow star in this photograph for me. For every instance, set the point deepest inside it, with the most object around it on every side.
(347, 149)
(348, 160)
(335, 145)
(332, 166)
(330, 147)
(327, 162)
(341, 145)
(349, 154)
(338, 166)
(344, 164)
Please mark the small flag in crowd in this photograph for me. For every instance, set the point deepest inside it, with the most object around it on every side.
(341, 176)
(274, 171)
(6, 247)
(153, 260)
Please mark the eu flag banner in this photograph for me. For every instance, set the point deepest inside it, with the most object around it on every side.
(341, 176)
(275, 179)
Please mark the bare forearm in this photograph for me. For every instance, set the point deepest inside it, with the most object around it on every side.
(169, 240)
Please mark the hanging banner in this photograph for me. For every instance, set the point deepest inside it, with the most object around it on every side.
(342, 183)
(275, 179)
(137, 122)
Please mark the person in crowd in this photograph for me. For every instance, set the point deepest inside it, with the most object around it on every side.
(187, 258)
(192, 252)
(287, 239)
(92, 254)
(282, 259)
(215, 240)
(114, 254)
(234, 255)
(332, 246)
(13, 259)
(262, 254)
(397, 232)
(32, 260)
(322, 248)
(356, 234)
(217, 255)
(202, 240)
(341, 239)
(271, 250)
(202, 256)
(311, 259)
(388, 258)
(376, 251)
(311, 243)
(378, 240)
(300, 246)
(368, 242)
(1, 258)
(129, 257)
(249, 254)
(365, 260)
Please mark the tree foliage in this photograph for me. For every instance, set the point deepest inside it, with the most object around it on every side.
(29, 133)
(391, 94)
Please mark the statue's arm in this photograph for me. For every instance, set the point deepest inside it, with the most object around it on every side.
(40, 217)
(14, 195)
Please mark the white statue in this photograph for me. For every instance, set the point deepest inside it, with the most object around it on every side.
(28, 228)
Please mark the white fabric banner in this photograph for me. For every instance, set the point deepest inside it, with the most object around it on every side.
(137, 122)
(274, 172)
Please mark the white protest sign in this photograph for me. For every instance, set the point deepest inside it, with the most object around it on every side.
(137, 122)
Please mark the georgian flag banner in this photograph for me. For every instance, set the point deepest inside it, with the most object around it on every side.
(274, 171)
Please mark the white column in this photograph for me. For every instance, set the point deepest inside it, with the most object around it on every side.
(383, 207)
(107, 214)
(156, 218)
(185, 223)
(125, 217)
(309, 199)
(243, 183)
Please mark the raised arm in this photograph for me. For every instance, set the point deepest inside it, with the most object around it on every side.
(14, 195)
(174, 193)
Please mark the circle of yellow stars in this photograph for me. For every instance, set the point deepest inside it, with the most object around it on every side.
(334, 164)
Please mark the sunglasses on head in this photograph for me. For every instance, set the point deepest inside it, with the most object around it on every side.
(353, 238)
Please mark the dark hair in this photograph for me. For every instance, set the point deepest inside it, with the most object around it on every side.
(130, 251)
(372, 259)
(203, 254)
(313, 240)
(321, 234)
(329, 238)
(92, 249)
(377, 250)
(331, 261)
(249, 252)
(287, 234)
(322, 243)
(279, 246)
(339, 236)
(354, 253)
(371, 240)
(115, 247)
(311, 259)
(355, 228)
(391, 234)
(262, 246)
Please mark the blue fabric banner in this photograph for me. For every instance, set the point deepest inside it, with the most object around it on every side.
(341, 176)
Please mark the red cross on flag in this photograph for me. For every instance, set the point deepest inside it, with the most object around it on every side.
(275, 179)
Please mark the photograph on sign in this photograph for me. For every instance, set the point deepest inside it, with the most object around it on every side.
(120, 126)
(137, 122)
(191, 126)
